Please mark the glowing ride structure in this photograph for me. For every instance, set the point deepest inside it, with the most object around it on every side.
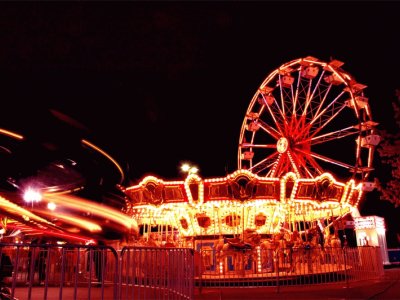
(307, 117)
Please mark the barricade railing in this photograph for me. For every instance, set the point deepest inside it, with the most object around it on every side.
(156, 273)
(287, 266)
(50, 271)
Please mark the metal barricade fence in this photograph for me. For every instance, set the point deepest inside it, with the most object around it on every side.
(288, 266)
(156, 273)
(99, 272)
(49, 271)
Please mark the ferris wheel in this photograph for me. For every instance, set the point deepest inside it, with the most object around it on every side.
(308, 117)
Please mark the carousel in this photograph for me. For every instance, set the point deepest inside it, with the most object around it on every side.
(305, 153)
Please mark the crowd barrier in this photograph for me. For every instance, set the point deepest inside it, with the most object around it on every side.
(32, 271)
(49, 271)
(287, 266)
(156, 273)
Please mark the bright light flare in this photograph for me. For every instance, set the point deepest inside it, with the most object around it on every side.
(31, 195)
(185, 168)
(51, 206)
(193, 170)
(189, 169)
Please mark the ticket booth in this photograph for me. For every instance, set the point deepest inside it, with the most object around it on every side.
(371, 231)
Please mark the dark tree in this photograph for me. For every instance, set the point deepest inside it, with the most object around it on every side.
(389, 152)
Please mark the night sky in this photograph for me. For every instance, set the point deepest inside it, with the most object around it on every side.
(158, 83)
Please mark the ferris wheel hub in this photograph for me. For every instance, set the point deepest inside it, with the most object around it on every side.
(282, 145)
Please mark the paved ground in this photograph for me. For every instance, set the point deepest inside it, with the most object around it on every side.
(387, 288)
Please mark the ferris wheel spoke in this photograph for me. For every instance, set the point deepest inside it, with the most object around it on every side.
(276, 165)
(282, 97)
(321, 111)
(310, 97)
(303, 164)
(331, 160)
(270, 130)
(314, 165)
(273, 117)
(358, 151)
(251, 145)
(296, 94)
(284, 166)
(292, 162)
(265, 163)
(316, 113)
(351, 130)
(321, 104)
(323, 122)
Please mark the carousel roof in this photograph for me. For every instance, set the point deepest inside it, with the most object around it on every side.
(190, 204)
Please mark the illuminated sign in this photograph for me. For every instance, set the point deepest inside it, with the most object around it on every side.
(372, 222)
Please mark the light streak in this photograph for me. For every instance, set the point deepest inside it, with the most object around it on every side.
(87, 143)
(79, 222)
(21, 212)
(96, 209)
(11, 134)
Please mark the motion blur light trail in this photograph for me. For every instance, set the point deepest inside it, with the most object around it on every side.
(39, 174)
(17, 211)
(87, 143)
(11, 134)
(91, 208)
(88, 225)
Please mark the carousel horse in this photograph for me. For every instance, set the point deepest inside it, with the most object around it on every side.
(241, 250)
(276, 252)
(333, 247)
(152, 241)
(306, 253)
(170, 242)
(267, 248)
(140, 242)
(252, 237)
(282, 250)
(235, 248)
(297, 251)
(317, 251)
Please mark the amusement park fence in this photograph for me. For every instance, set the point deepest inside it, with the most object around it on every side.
(32, 271)
(156, 273)
(288, 266)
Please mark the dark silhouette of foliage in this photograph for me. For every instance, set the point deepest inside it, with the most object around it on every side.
(389, 152)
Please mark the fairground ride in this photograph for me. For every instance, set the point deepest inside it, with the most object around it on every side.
(305, 154)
